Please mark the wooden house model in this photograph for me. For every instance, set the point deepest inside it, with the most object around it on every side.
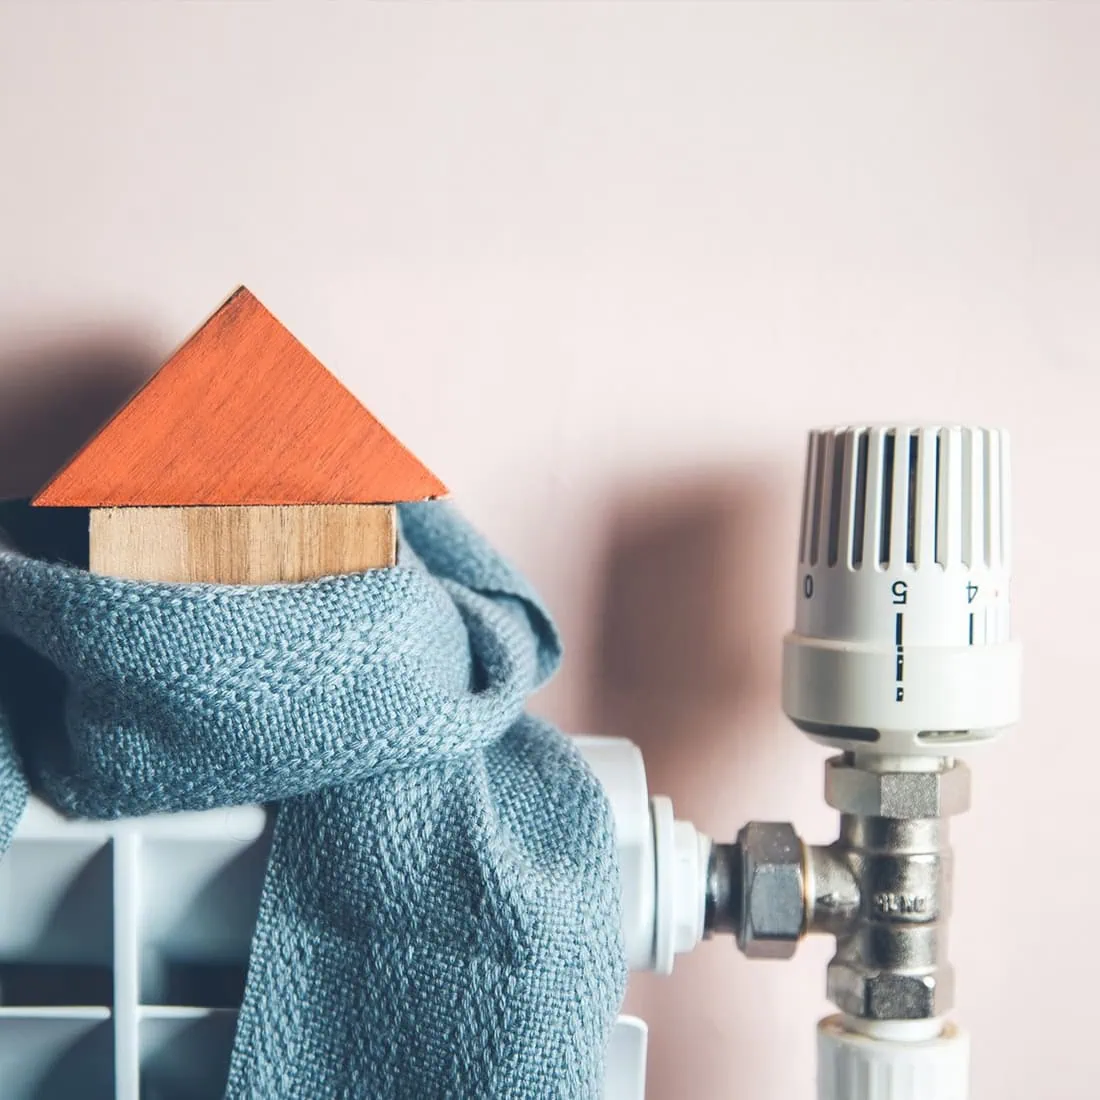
(242, 461)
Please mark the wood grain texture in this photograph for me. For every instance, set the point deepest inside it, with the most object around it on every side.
(242, 414)
(261, 544)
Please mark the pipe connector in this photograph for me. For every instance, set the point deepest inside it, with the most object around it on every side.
(757, 890)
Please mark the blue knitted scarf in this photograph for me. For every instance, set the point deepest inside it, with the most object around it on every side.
(440, 915)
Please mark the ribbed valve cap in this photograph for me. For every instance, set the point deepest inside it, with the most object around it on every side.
(851, 1066)
(902, 642)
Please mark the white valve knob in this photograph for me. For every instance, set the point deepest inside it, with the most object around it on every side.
(852, 1065)
(901, 643)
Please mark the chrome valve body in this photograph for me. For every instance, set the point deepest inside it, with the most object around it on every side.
(882, 888)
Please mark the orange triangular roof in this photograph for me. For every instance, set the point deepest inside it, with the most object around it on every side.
(242, 414)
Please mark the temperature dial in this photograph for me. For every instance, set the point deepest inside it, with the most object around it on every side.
(902, 642)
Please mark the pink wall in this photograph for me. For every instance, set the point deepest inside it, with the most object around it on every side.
(602, 266)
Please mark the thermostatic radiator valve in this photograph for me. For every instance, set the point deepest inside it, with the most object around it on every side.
(901, 659)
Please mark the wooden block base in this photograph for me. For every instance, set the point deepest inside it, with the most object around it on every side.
(254, 544)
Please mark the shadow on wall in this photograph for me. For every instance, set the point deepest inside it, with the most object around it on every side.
(693, 600)
(695, 592)
(55, 395)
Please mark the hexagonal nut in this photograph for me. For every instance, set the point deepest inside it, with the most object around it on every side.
(904, 795)
(773, 914)
(883, 995)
